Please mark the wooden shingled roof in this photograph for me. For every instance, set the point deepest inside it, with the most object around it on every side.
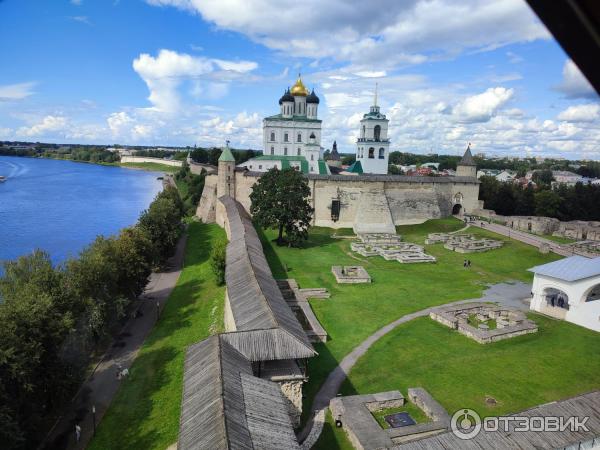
(586, 405)
(225, 407)
(266, 327)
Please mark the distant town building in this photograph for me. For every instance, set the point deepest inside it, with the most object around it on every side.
(566, 177)
(334, 157)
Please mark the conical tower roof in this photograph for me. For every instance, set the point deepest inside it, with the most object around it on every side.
(467, 159)
(226, 155)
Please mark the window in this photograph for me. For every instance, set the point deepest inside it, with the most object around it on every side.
(272, 150)
(272, 137)
(364, 131)
(335, 210)
(298, 151)
(311, 169)
(259, 167)
(381, 153)
(285, 138)
(312, 157)
(377, 132)
(371, 152)
(299, 137)
(285, 150)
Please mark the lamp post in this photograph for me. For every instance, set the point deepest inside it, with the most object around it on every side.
(94, 418)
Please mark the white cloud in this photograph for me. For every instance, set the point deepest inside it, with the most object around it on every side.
(481, 107)
(385, 32)
(76, 2)
(581, 113)
(49, 124)
(81, 19)
(16, 91)
(164, 74)
(118, 122)
(574, 84)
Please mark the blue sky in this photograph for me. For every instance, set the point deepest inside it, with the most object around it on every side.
(185, 72)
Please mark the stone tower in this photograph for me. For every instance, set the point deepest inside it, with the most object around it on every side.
(226, 182)
(372, 146)
(466, 166)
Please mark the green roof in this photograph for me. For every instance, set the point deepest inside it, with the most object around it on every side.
(226, 155)
(355, 168)
(323, 168)
(280, 157)
(295, 118)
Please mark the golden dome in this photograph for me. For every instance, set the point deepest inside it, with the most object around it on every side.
(299, 88)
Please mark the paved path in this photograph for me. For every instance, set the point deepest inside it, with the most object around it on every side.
(101, 386)
(513, 295)
(522, 236)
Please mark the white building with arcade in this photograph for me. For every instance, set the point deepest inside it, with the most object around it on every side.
(569, 289)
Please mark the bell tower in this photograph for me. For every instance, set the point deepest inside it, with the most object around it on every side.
(372, 146)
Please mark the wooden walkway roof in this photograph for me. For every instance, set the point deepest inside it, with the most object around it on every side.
(225, 407)
(267, 329)
(587, 405)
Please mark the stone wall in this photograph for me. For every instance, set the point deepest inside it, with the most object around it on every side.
(532, 224)
(140, 159)
(579, 229)
(229, 323)
(394, 200)
(292, 392)
(206, 210)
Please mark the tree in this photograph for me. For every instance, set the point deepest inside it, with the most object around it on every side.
(543, 177)
(280, 200)
(348, 159)
(217, 262)
(547, 203)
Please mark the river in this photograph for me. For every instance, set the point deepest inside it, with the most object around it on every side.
(61, 206)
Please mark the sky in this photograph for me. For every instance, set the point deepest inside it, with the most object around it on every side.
(200, 72)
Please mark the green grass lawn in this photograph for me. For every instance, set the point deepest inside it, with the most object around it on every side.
(145, 412)
(417, 414)
(151, 166)
(356, 311)
(559, 361)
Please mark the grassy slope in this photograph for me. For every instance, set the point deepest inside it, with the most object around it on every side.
(145, 412)
(151, 166)
(397, 289)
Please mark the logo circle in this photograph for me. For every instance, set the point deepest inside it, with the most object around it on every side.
(465, 424)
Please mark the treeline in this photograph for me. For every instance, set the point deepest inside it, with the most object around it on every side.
(579, 202)
(52, 318)
(190, 187)
(80, 153)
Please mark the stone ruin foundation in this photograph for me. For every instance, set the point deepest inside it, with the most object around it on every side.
(585, 248)
(350, 274)
(463, 243)
(391, 248)
(494, 323)
(355, 414)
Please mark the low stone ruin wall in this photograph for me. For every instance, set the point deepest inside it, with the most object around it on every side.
(510, 322)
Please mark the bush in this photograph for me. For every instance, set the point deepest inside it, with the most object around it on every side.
(217, 262)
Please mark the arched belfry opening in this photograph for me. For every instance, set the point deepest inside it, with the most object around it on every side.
(457, 209)
(377, 133)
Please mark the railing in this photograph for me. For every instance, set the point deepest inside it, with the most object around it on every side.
(372, 140)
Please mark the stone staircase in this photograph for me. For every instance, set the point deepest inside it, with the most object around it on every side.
(373, 214)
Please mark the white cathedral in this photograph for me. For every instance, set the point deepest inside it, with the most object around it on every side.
(292, 138)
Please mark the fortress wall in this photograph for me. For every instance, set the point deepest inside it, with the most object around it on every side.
(408, 202)
(208, 201)
(470, 193)
(416, 202)
(141, 159)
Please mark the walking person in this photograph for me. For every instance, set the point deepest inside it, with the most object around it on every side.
(77, 432)
(468, 263)
(465, 263)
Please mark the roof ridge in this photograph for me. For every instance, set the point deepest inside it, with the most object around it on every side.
(222, 386)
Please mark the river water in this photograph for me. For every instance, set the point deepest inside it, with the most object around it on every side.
(61, 206)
